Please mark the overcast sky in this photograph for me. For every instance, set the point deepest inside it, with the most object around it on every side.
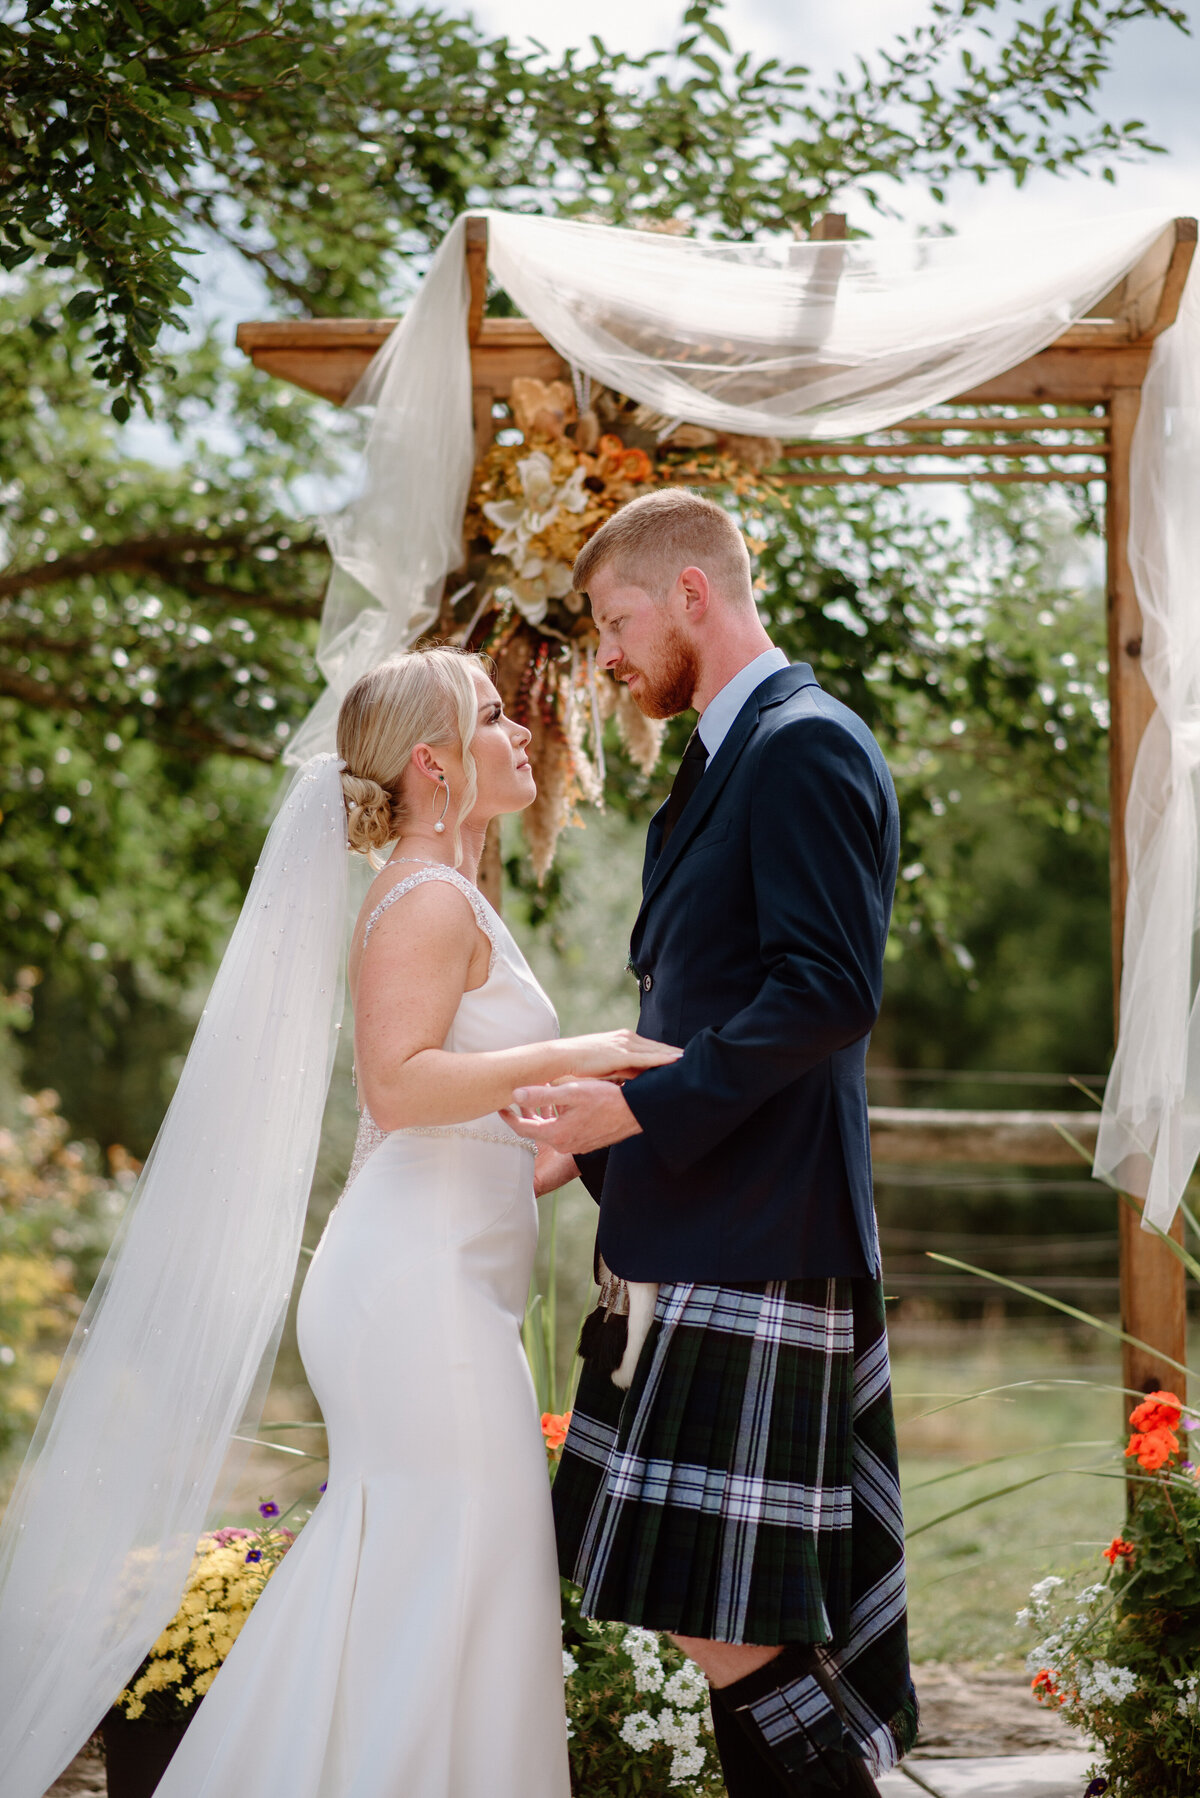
(1157, 79)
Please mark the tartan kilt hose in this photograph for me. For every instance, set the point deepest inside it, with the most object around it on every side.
(746, 1487)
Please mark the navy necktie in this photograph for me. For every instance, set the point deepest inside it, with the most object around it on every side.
(687, 778)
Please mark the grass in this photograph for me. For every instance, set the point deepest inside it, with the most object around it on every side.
(969, 1574)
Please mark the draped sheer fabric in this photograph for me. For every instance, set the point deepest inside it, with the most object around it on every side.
(171, 1356)
(820, 340)
(1150, 1128)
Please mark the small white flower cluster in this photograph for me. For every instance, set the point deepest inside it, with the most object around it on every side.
(1102, 1683)
(641, 1645)
(1063, 1653)
(679, 1723)
(640, 1730)
(570, 1664)
(1188, 1703)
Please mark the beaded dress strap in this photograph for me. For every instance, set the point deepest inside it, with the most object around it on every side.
(438, 871)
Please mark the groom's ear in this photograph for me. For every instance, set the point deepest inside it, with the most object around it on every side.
(697, 594)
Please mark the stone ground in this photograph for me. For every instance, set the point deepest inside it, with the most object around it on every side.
(973, 1719)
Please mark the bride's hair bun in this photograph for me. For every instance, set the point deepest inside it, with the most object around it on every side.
(422, 696)
(369, 814)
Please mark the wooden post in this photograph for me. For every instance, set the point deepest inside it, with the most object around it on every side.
(1153, 1292)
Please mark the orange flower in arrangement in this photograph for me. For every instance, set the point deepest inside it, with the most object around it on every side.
(616, 462)
(1045, 1688)
(554, 1430)
(1157, 1411)
(1153, 1422)
(1118, 1550)
(1152, 1448)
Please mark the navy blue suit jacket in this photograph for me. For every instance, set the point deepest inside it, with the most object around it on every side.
(759, 950)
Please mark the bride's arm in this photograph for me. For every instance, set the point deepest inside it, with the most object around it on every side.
(422, 955)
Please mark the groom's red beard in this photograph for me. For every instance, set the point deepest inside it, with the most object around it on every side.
(666, 690)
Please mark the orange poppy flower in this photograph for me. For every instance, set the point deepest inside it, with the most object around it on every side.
(554, 1429)
(1044, 1687)
(1118, 1550)
(1157, 1411)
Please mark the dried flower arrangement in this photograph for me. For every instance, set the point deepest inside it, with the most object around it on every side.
(551, 479)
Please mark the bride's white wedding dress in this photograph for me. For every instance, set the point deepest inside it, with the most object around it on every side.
(409, 1645)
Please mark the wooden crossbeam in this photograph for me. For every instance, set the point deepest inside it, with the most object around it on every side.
(802, 452)
(906, 477)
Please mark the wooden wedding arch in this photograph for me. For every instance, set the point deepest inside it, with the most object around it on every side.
(1002, 432)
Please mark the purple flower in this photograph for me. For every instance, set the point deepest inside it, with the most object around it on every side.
(324, 1483)
(268, 1508)
(254, 1555)
(1097, 1788)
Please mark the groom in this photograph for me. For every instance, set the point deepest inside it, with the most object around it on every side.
(742, 1492)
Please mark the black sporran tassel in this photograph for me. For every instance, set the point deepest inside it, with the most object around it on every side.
(603, 1339)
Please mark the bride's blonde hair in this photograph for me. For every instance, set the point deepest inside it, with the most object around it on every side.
(425, 696)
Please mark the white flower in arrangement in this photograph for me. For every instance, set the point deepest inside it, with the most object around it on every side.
(639, 1731)
(542, 499)
(570, 1664)
(1024, 1617)
(1088, 1596)
(1044, 1587)
(679, 1731)
(1101, 1681)
(686, 1763)
(1188, 1704)
(641, 1645)
(687, 1688)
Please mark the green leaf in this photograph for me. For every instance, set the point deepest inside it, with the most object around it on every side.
(120, 409)
(712, 30)
(81, 305)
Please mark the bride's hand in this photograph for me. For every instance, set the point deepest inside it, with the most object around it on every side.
(610, 1052)
(551, 1170)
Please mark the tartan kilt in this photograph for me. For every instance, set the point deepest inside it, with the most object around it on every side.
(746, 1488)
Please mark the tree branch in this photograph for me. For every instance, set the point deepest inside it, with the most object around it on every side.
(153, 555)
(203, 736)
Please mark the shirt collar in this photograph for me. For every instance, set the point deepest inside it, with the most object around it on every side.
(717, 718)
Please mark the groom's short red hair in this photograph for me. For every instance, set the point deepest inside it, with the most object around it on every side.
(653, 539)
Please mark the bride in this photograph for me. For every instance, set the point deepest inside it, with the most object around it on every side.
(410, 1641)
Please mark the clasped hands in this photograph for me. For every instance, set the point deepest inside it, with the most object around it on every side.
(586, 1110)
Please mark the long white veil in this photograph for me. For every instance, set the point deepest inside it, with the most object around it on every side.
(171, 1356)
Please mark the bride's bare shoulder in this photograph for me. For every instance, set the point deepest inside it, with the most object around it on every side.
(434, 911)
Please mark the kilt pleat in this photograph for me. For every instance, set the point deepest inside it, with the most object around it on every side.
(746, 1487)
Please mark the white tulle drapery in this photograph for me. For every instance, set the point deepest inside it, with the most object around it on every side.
(169, 1357)
(393, 545)
(1150, 1128)
(812, 340)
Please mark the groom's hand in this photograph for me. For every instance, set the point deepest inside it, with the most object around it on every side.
(575, 1116)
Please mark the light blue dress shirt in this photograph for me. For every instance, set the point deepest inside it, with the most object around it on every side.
(716, 720)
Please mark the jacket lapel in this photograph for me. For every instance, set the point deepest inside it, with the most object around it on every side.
(775, 688)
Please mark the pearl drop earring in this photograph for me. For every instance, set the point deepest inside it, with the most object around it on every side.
(440, 824)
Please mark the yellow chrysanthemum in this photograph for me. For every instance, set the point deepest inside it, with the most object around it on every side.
(204, 1681)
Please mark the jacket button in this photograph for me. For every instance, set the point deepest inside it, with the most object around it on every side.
(647, 982)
